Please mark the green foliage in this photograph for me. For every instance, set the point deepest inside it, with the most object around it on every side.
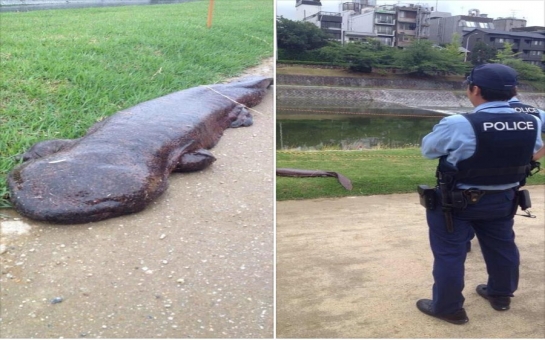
(359, 56)
(525, 70)
(505, 53)
(422, 58)
(455, 42)
(332, 53)
(299, 36)
(482, 53)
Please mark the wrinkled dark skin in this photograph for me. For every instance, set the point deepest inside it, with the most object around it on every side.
(123, 162)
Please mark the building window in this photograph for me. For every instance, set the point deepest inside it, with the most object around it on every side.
(406, 26)
(537, 42)
(535, 52)
(407, 14)
(329, 24)
(470, 24)
(501, 40)
(385, 41)
(483, 25)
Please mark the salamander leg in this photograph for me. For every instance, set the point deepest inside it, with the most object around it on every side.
(241, 117)
(46, 148)
(195, 161)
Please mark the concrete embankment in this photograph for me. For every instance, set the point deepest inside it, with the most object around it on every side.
(384, 92)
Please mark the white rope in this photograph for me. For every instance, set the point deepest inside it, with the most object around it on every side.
(231, 99)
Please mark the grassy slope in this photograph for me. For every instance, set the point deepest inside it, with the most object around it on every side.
(372, 172)
(63, 70)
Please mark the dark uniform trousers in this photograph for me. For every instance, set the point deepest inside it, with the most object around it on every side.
(491, 220)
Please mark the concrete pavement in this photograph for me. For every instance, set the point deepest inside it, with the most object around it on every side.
(354, 268)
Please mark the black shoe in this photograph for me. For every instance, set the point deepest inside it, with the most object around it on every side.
(458, 318)
(500, 303)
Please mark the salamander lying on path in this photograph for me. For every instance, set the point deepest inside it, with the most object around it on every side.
(124, 161)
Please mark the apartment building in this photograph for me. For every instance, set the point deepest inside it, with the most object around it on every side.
(307, 8)
(413, 22)
(508, 24)
(393, 25)
(535, 29)
(377, 23)
(442, 28)
(529, 45)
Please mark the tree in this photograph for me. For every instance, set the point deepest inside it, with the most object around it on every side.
(422, 58)
(481, 53)
(505, 53)
(299, 36)
(525, 70)
(331, 53)
(455, 42)
(360, 57)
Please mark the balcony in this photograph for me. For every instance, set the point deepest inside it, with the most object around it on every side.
(406, 32)
(332, 14)
(402, 19)
(384, 22)
(330, 27)
(385, 33)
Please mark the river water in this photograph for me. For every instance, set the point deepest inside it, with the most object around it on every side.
(353, 127)
(33, 5)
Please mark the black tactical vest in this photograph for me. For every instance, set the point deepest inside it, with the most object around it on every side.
(504, 149)
(523, 108)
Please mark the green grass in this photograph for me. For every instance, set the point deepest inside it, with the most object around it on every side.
(63, 70)
(372, 172)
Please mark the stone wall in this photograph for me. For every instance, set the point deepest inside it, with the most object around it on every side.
(384, 97)
(396, 83)
(384, 92)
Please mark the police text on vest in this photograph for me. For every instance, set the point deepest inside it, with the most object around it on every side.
(508, 126)
(526, 109)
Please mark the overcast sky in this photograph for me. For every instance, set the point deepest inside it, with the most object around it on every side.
(531, 10)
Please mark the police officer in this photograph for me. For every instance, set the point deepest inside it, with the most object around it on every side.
(483, 157)
(525, 108)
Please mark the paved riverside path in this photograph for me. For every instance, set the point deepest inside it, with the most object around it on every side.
(354, 267)
(197, 263)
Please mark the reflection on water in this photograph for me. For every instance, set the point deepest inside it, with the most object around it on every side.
(353, 129)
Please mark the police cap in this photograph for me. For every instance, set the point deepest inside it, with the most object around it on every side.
(493, 76)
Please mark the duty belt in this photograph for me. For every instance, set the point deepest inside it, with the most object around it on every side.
(474, 195)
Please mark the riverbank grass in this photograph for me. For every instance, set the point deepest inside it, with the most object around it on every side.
(372, 172)
(64, 70)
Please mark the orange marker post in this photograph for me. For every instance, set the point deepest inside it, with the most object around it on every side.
(210, 10)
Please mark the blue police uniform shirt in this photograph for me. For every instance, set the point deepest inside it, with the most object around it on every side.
(454, 136)
(541, 112)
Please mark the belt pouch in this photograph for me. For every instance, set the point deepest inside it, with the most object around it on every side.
(458, 199)
(524, 199)
(427, 196)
